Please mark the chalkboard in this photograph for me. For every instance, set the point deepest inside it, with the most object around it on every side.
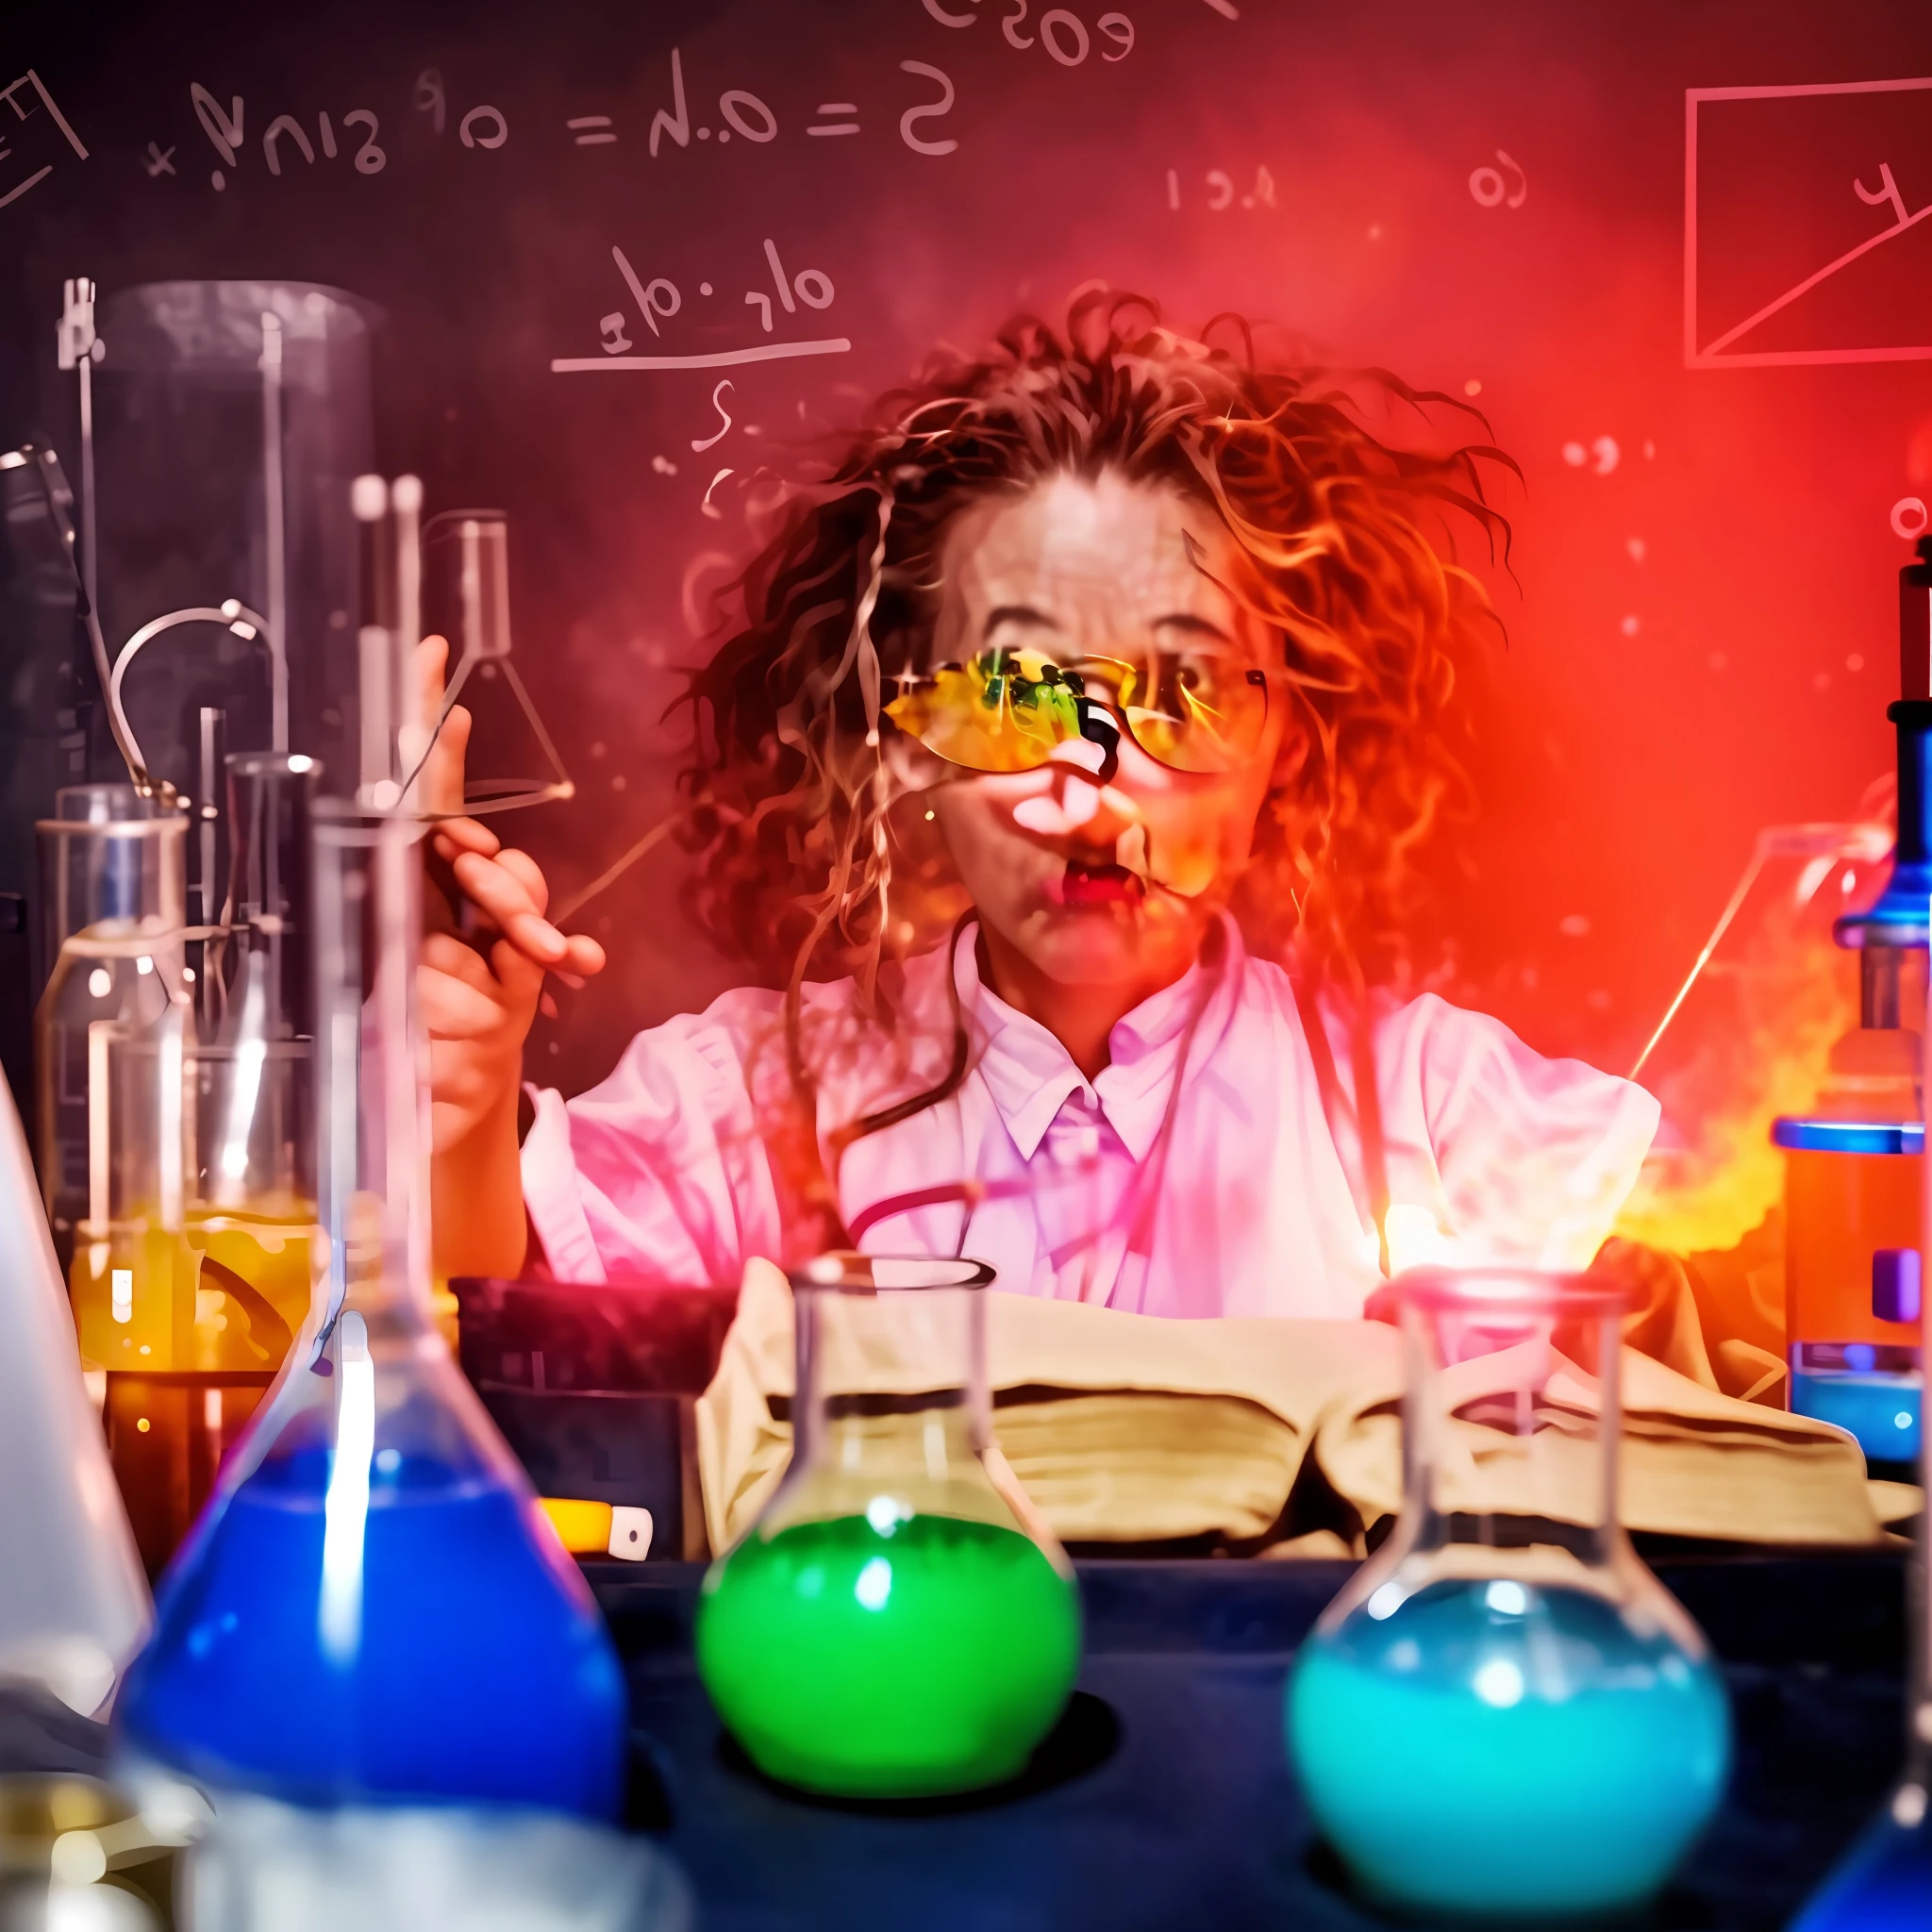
(625, 257)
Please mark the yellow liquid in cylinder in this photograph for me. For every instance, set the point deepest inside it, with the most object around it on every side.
(252, 1293)
(227, 1292)
(133, 1296)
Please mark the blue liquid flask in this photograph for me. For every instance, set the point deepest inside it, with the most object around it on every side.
(1505, 1714)
(372, 1612)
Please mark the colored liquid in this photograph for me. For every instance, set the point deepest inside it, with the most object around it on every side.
(252, 1292)
(476, 1668)
(147, 1300)
(133, 1298)
(1539, 1758)
(1884, 1883)
(929, 1658)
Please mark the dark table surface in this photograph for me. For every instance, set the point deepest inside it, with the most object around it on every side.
(1166, 1799)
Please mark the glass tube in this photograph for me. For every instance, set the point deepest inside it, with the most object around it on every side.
(373, 1610)
(890, 1626)
(1504, 1711)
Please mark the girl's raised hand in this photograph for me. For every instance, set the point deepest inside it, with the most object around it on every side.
(478, 1015)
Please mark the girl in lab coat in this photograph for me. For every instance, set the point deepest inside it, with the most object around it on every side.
(1060, 779)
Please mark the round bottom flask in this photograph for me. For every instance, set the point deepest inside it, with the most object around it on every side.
(1505, 1714)
(887, 1627)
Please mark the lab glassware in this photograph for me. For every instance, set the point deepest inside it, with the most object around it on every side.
(1504, 1713)
(373, 1610)
(891, 1625)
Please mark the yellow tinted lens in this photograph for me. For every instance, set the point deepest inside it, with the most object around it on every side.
(1195, 712)
(1002, 713)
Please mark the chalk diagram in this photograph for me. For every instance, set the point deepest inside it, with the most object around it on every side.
(1806, 232)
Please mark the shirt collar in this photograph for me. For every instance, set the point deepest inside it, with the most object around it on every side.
(1030, 1076)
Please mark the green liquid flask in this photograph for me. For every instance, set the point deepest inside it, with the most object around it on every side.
(888, 1626)
(1504, 1715)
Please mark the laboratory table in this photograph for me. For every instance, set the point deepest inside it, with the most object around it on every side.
(1165, 1798)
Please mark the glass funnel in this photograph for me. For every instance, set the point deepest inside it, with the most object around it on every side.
(890, 1626)
(1504, 1713)
(371, 1610)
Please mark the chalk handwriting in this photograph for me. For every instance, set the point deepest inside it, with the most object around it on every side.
(159, 160)
(658, 300)
(430, 98)
(475, 120)
(932, 110)
(836, 126)
(591, 131)
(1887, 192)
(11, 96)
(1909, 516)
(1060, 31)
(709, 509)
(743, 113)
(718, 404)
(224, 130)
(659, 297)
(1226, 9)
(482, 127)
(1220, 189)
(1489, 189)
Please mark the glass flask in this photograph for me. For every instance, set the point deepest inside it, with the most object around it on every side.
(890, 1626)
(1503, 1714)
(111, 910)
(1884, 1883)
(373, 1612)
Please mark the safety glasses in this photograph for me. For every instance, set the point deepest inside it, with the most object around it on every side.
(1008, 711)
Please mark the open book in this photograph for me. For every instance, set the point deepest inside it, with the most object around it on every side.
(1130, 1428)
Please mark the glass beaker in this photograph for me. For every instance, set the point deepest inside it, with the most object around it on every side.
(1504, 1713)
(111, 910)
(373, 1609)
(888, 1626)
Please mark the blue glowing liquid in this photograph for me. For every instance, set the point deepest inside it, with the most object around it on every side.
(1884, 1883)
(482, 1672)
(1541, 1756)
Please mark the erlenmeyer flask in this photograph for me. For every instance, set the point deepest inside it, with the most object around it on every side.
(373, 1610)
(1504, 1713)
(888, 1626)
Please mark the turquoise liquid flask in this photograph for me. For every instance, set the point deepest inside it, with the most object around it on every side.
(372, 1612)
(1504, 1715)
(888, 1626)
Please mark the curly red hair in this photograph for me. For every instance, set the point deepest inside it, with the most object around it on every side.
(806, 868)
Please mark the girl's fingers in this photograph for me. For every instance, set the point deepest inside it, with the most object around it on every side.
(445, 954)
(521, 977)
(453, 1010)
(502, 897)
(529, 874)
(585, 957)
(465, 835)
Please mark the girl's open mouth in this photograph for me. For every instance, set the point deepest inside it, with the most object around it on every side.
(1100, 884)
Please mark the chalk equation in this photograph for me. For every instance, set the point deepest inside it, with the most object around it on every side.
(1494, 187)
(1060, 30)
(1220, 192)
(774, 293)
(1783, 264)
(30, 101)
(746, 117)
(285, 138)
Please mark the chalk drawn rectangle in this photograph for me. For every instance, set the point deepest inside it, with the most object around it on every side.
(1707, 342)
(721, 359)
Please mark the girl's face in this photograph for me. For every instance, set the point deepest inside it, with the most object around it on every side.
(1102, 884)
